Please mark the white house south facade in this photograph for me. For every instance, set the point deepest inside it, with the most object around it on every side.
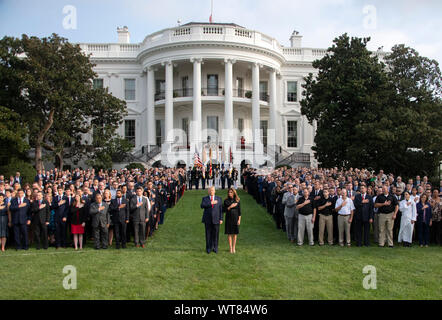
(218, 87)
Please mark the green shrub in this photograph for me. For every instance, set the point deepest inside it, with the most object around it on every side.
(27, 171)
(283, 165)
(135, 165)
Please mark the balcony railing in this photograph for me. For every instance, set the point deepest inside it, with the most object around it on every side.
(211, 92)
(217, 92)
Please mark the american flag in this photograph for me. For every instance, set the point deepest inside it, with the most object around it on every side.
(197, 159)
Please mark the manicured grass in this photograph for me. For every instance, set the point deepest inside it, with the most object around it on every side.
(174, 265)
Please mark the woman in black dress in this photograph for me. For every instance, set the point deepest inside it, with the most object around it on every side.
(233, 217)
(4, 218)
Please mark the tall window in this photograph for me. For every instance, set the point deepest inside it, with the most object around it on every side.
(263, 95)
(292, 134)
(129, 131)
(160, 131)
(185, 86)
(212, 84)
(160, 89)
(185, 125)
(292, 91)
(212, 123)
(240, 87)
(98, 83)
(263, 127)
(129, 89)
(240, 125)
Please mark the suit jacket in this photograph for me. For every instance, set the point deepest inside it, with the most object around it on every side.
(119, 215)
(40, 215)
(289, 200)
(420, 213)
(364, 211)
(212, 215)
(99, 218)
(61, 211)
(20, 215)
(139, 214)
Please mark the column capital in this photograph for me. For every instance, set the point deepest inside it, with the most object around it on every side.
(229, 60)
(196, 59)
(260, 65)
(150, 68)
(167, 62)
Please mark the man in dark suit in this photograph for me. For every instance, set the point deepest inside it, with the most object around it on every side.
(21, 218)
(139, 207)
(120, 216)
(363, 216)
(60, 205)
(212, 218)
(99, 211)
(40, 215)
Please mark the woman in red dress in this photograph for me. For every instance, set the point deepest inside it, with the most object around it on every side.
(78, 221)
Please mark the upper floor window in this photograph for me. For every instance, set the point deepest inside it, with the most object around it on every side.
(129, 89)
(292, 91)
(98, 83)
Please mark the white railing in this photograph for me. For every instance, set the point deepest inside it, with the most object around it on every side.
(98, 47)
(129, 47)
(243, 33)
(292, 51)
(181, 32)
(212, 30)
(319, 52)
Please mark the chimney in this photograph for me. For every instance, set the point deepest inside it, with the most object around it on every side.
(123, 35)
(295, 40)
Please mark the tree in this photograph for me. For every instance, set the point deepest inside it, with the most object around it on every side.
(51, 88)
(110, 151)
(377, 115)
(348, 92)
(12, 136)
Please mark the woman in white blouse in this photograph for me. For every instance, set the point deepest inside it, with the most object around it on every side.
(408, 209)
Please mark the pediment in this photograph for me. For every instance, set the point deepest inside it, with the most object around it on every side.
(291, 112)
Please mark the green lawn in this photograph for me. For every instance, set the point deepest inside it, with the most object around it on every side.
(174, 265)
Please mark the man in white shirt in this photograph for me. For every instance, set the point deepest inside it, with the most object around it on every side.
(345, 208)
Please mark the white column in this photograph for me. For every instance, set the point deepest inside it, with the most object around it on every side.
(168, 122)
(255, 108)
(151, 132)
(272, 100)
(228, 106)
(196, 119)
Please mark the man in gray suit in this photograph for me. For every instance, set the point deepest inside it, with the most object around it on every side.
(99, 212)
(290, 214)
(139, 207)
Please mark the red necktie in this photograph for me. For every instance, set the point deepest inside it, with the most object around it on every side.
(211, 199)
(363, 197)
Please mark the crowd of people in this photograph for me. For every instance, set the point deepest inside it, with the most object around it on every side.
(348, 205)
(220, 177)
(65, 209)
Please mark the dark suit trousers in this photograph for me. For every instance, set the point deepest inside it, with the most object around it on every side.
(362, 227)
(139, 232)
(101, 233)
(40, 234)
(212, 235)
(120, 233)
(60, 234)
(21, 233)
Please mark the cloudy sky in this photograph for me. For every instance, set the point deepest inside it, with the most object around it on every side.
(415, 23)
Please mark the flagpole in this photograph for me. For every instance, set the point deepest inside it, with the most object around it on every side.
(211, 11)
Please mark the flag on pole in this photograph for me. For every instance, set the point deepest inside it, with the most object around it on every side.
(230, 155)
(204, 155)
(197, 159)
